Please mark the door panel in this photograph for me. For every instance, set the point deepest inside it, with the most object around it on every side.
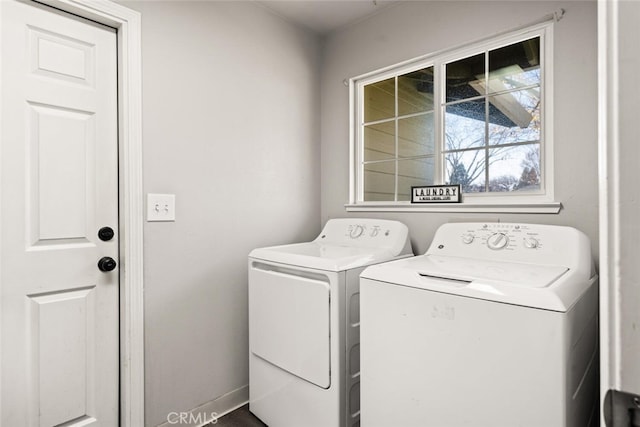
(56, 56)
(58, 187)
(59, 337)
(290, 322)
(55, 181)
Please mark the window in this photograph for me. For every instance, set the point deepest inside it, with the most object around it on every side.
(474, 116)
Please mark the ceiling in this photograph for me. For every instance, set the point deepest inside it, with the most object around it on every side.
(324, 16)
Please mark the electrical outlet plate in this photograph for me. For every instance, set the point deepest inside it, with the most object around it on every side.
(161, 207)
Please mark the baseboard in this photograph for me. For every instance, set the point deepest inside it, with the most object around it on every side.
(210, 411)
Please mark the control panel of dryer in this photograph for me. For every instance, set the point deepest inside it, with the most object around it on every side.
(513, 242)
(357, 231)
(364, 232)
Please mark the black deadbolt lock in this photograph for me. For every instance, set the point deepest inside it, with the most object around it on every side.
(106, 264)
(106, 233)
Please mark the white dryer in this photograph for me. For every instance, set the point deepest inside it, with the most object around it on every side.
(495, 326)
(304, 322)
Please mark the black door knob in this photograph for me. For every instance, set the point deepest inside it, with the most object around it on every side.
(107, 263)
(105, 234)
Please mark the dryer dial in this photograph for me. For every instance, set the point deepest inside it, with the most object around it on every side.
(497, 241)
(356, 231)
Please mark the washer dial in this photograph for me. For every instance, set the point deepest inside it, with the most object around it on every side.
(497, 241)
(531, 242)
(468, 238)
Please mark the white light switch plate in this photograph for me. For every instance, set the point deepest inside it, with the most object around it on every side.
(161, 207)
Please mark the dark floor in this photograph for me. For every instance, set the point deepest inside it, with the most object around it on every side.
(241, 417)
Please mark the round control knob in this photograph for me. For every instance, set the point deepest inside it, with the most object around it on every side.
(468, 238)
(531, 242)
(497, 241)
(356, 231)
(106, 264)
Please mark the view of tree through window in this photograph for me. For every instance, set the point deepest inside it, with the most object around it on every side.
(492, 123)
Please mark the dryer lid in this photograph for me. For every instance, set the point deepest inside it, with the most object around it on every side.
(323, 256)
(344, 244)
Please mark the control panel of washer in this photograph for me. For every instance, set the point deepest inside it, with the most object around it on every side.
(511, 242)
(503, 236)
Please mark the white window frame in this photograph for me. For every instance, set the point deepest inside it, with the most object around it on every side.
(541, 201)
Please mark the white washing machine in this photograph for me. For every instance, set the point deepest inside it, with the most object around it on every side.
(304, 356)
(495, 326)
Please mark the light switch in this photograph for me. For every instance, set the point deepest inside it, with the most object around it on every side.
(161, 207)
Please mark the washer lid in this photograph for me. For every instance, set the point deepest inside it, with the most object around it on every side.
(548, 287)
(322, 256)
(470, 270)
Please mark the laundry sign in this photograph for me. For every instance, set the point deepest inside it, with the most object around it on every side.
(436, 194)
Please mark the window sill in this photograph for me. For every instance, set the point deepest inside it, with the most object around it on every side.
(537, 207)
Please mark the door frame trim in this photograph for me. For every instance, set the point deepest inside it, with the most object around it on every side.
(609, 197)
(127, 23)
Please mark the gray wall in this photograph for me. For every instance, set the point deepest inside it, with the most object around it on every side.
(231, 127)
(415, 28)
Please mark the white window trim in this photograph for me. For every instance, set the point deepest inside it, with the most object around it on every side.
(535, 202)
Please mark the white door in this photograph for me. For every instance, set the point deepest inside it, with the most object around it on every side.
(58, 188)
